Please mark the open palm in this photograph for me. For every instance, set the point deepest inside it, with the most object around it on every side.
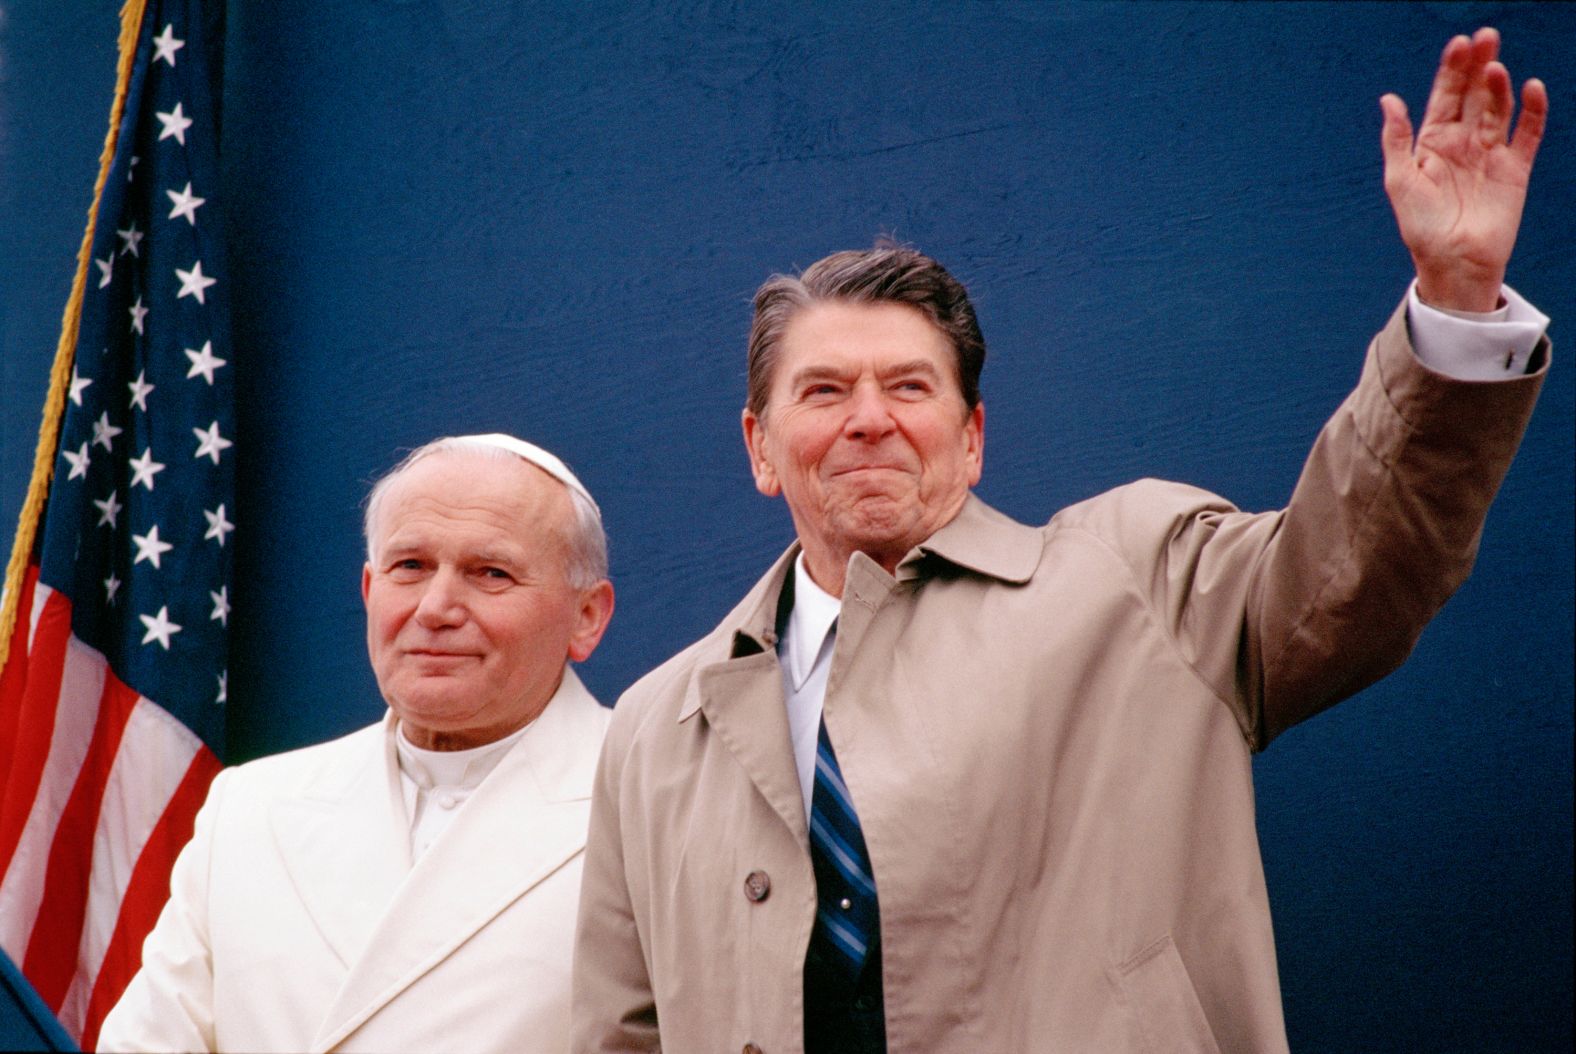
(1458, 190)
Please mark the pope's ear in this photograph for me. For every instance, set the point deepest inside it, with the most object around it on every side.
(595, 612)
(366, 582)
(760, 464)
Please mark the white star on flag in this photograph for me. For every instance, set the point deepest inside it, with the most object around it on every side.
(144, 468)
(103, 431)
(175, 124)
(224, 688)
(165, 45)
(79, 461)
(218, 526)
(109, 508)
(78, 382)
(111, 584)
(160, 628)
(186, 204)
(210, 442)
(106, 268)
(204, 362)
(193, 282)
(221, 605)
(139, 391)
(138, 313)
(132, 237)
(149, 547)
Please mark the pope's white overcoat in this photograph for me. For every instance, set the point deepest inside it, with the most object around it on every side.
(297, 922)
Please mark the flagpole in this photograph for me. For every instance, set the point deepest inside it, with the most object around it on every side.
(65, 351)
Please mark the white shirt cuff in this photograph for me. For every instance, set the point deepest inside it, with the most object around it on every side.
(1475, 346)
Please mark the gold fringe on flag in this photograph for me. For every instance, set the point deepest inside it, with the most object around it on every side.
(65, 351)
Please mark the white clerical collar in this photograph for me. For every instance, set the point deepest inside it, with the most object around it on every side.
(451, 768)
(814, 612)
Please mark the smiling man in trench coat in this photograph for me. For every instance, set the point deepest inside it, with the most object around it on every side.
(947, 782)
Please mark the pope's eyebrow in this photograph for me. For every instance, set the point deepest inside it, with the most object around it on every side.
(499, 556)
(390, 549)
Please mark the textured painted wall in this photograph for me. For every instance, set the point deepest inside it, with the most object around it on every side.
(549, 219)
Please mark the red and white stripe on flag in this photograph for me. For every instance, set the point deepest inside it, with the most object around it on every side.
(113, 675)
(100, 796)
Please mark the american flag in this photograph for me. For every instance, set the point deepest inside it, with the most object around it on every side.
(113, 694)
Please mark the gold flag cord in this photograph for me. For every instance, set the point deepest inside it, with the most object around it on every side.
(60, 373)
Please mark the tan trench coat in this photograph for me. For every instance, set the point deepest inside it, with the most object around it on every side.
(1047, 734)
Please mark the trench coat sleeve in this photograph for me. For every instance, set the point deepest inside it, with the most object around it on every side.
(613, 1007)
(169, 1004)
(1382, 528)
(1284, 614)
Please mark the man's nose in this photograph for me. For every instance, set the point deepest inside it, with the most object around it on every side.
(869, 415)
(442, 602)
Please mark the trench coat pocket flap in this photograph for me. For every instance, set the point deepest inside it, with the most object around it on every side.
(1168, 1016)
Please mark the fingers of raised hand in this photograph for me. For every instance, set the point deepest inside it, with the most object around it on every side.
(1488, 105)
(1534, 114)
(1395, 138)
(1460, 72)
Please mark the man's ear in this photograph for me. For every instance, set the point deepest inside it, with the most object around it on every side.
(366, 582)
(591, 619)
(974, 433)
(760, 465)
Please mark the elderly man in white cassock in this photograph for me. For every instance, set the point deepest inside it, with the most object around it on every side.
(411, 886)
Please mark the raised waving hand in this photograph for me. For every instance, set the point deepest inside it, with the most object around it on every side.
(1458, 188)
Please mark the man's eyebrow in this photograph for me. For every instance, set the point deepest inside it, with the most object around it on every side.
(501, 556)
(817, 372)
(924, 366)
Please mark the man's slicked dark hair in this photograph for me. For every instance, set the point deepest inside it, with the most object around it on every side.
(887, 273)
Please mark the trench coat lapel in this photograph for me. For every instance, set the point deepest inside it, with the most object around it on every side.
(741, 696)
(524, 822)
(345, 843)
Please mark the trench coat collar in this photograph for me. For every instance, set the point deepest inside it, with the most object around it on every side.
(524, 822)
(978, 538)
(981, 540)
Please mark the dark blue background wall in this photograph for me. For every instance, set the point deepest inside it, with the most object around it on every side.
(549, 218)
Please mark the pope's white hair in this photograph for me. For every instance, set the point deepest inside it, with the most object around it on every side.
(585, 541)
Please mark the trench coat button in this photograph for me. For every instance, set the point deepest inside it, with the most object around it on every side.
(757, 886)
(751, 1048)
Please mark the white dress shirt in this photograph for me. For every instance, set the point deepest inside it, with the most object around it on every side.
(806, 656)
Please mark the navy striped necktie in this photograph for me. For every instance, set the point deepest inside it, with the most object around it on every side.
(847, 921)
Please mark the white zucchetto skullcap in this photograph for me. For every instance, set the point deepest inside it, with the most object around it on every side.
(548, 463)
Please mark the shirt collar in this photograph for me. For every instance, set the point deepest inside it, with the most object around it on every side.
(814, 612)
(464, 769)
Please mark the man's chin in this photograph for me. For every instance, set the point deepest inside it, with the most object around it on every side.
(879, 529)
(433, 703)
